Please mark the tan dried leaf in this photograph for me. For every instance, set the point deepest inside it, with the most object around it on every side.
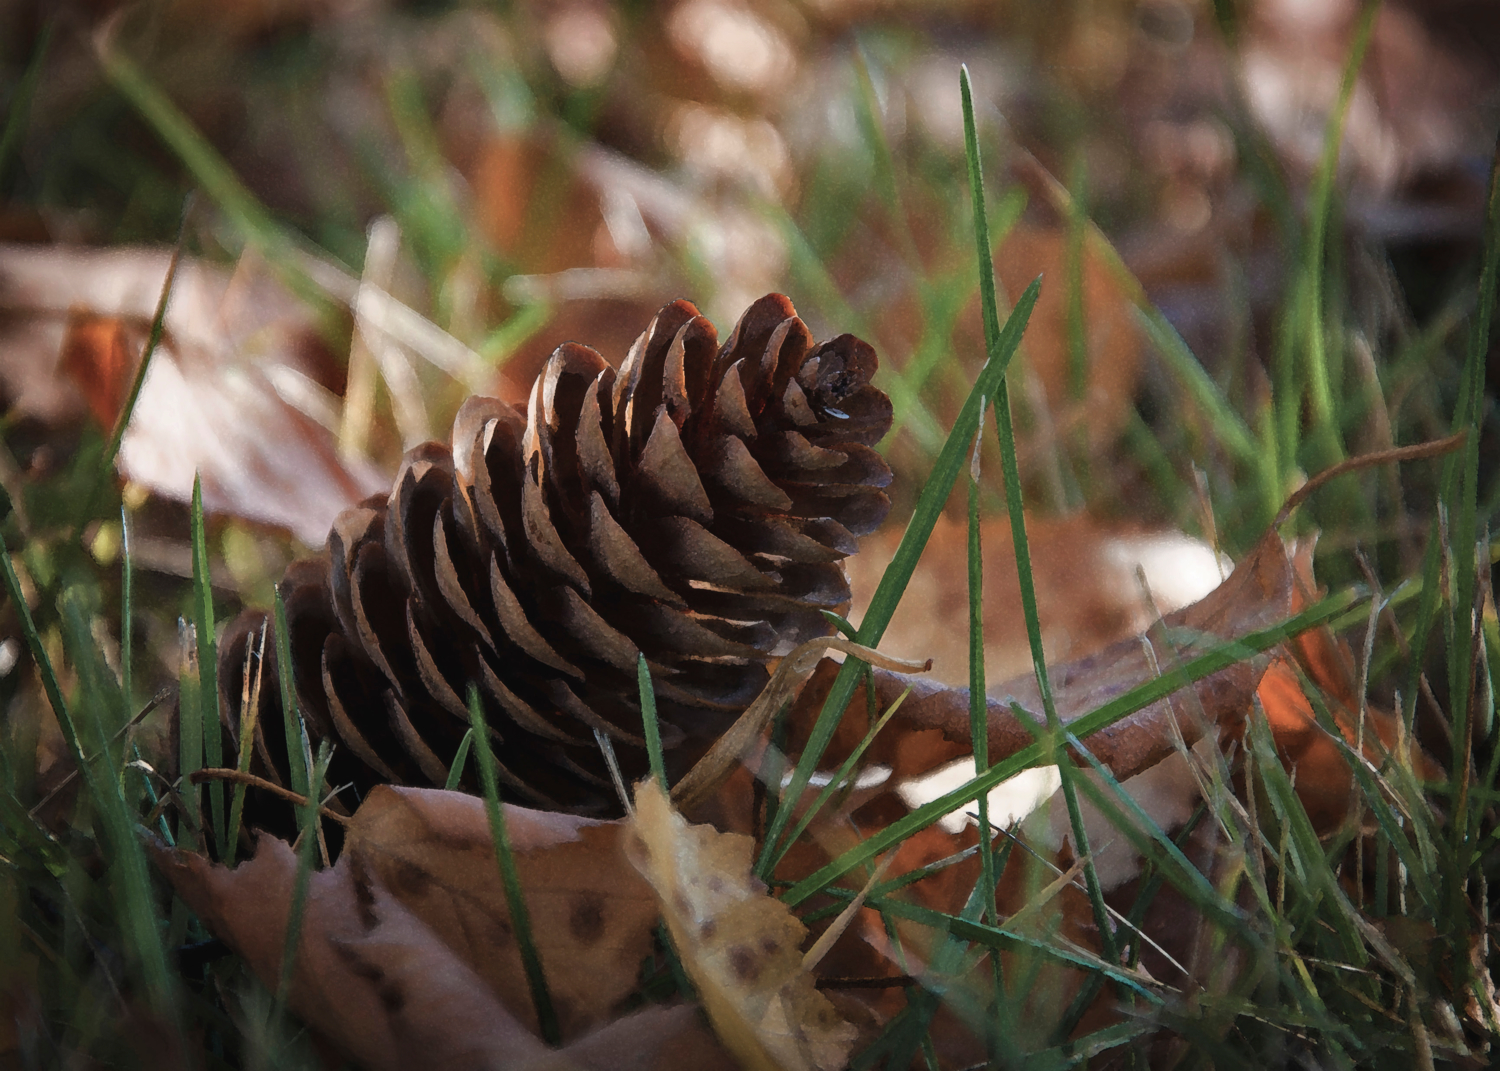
(592, 915)
(740, 946)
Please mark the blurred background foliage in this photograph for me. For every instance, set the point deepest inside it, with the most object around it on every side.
(546, 171)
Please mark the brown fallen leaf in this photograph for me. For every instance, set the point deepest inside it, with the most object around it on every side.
(406, 957)
(1255, 596)
(592, 915)
(740, 946)
(236, 389)
(1325, 784)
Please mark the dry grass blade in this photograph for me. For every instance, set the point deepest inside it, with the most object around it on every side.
(783, 686)
(250, 780)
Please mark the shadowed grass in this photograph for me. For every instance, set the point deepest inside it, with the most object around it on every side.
(515, 900)
(208, 670)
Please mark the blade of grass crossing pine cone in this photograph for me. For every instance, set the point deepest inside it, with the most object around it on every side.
(650, 726)
(520, 916)
(208, 662)
(893, 582)
(248, 727)
(728, 750)
(460, 759)
(1143, 695)
(298, 750)
(1005, 432)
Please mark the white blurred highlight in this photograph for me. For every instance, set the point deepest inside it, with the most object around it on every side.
(1010, 801)
(581, 44)
(1178, 569)
(740, 49)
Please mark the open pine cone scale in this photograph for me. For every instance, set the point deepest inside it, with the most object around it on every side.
(694, 506)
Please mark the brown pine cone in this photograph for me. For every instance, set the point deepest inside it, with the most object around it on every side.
(694, 506)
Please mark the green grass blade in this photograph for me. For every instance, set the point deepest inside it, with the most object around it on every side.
(978, 707)
(1005, 432)
(1420, 860)
(1228, 426)
(125, 858)
(39, 656)
(205, 164)
(999, 938)
(1131, 820)
(307, 850)
(1319, 210)
(520, 916)
(127, 608)
(208, 668)
(189, 737)
(460, 758)
(893, 583)
(20, 105)
(1463, 492)
(248, 727)
(1310, 864)
(910, 1031)
(1077, 329)
(839, 778)
(649, 723)
(297, 748)
(1122, 706)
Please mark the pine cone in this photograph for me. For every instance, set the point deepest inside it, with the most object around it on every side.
(694, 506)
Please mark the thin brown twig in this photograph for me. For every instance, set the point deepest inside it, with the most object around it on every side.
(1416, 452)
(219, 773)
(877, 982)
